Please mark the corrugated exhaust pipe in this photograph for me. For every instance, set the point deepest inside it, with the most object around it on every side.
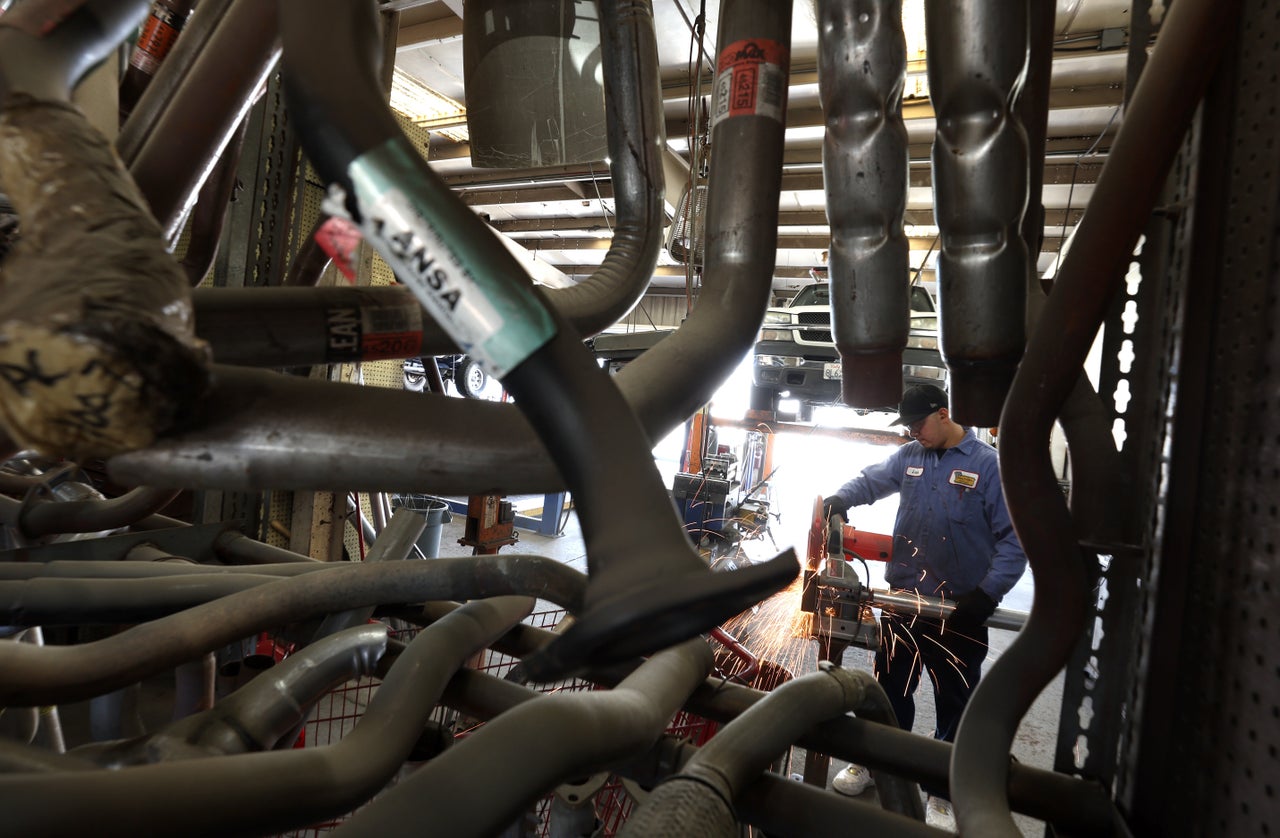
(862, 65)
(976, 64)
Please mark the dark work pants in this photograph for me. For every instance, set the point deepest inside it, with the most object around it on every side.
(953, 660)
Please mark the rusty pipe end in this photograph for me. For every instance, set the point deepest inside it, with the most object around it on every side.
(978, 391)
(871, 379)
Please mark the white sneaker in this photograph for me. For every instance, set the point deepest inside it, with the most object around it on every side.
(937, 813)
(853, 781)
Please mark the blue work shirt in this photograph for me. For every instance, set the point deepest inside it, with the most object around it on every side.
(953, 533)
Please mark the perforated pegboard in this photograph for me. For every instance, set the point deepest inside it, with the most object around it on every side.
(1206, 714)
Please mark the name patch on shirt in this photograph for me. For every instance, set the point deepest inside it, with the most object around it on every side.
(960, 477)
(915, 471)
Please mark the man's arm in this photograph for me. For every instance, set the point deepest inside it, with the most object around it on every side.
(875, 482)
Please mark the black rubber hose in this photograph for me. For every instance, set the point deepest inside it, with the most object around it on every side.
(642, 595)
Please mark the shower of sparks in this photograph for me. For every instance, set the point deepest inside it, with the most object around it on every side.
(776, 629)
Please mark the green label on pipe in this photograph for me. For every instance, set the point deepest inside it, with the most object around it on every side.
(455, 267)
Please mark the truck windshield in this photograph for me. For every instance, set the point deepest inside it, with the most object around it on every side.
(819, 294)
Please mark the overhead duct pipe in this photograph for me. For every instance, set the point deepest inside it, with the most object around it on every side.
(862, 65)
(1192, 38)
(976, 65)
(534, 97)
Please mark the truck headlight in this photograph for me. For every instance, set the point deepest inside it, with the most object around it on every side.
(778, 361)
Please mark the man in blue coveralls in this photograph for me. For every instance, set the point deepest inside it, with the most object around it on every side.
(953, 539)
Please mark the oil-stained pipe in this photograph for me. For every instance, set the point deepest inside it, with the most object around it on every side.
(862, 66)
(1192, 37)
(641, 595)
(710, 783)
(977, 60)
(48, 517)
(95, 320)
(68, 673)
(571, 732)
(272, 791)
(254, 717)
(205, 110)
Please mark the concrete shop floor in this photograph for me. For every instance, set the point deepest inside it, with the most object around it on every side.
(809, 464)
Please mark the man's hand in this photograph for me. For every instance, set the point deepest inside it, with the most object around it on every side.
(973, 609)
(834, 506)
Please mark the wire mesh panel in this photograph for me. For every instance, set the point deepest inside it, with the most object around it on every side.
(342, 708)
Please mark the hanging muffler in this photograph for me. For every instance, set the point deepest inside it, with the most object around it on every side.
(862, 66)
(534, 84)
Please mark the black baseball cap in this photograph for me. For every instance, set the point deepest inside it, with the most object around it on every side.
(918, 402)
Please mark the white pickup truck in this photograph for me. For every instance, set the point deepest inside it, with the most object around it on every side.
(795, 357)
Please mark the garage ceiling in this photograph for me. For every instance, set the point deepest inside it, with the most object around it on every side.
(563, 214)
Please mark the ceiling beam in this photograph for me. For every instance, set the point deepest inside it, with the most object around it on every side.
(810, 241)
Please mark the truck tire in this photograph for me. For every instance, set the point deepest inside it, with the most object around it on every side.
(470, 379)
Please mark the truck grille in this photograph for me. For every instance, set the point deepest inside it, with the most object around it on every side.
(819, 324)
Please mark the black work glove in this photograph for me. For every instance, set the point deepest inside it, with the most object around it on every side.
(973, 609)
(834, 506)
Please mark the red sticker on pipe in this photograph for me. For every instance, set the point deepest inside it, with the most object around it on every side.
(373, 332)
(339, 239)
(751, 80)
